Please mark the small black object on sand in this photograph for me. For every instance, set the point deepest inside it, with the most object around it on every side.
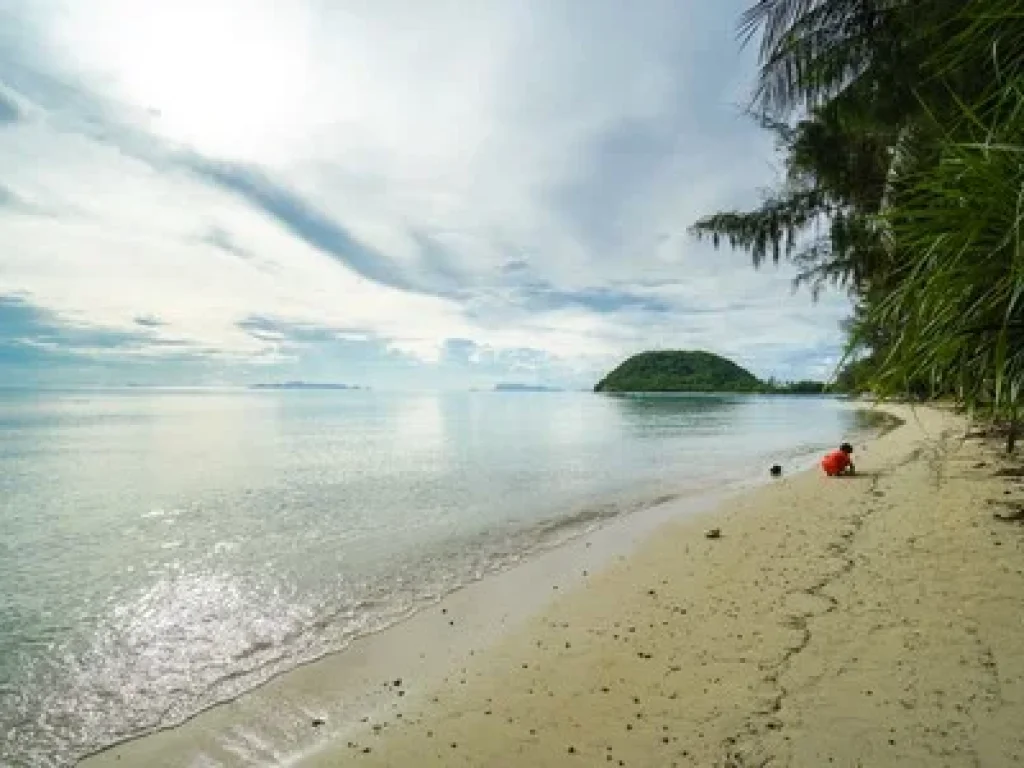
(714, 533)
(776, 470)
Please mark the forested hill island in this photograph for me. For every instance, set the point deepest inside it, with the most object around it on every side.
(693, 372)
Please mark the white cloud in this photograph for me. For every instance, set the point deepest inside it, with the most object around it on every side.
(442, 141)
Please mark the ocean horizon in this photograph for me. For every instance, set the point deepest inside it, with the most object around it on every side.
(168, 549)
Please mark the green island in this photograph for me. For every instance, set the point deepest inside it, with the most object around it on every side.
(694, 371)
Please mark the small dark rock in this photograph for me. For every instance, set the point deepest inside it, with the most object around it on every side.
(572, 750)
(317, 722)
(397, 683)
(714, 533)
(775, 471)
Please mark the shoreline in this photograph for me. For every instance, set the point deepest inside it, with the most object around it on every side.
(452, 630)
(879, 626)
(299, 711)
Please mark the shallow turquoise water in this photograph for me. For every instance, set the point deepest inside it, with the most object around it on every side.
(162, 550)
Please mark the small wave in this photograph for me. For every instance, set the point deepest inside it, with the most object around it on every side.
(585, 517)
(257, 647)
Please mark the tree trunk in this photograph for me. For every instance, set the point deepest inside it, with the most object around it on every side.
(1011, 435)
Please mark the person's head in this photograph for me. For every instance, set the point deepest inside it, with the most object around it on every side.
(846, 448)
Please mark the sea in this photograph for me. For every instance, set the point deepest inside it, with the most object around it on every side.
(165, 550)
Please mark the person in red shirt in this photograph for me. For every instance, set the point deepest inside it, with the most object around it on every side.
(839, 462)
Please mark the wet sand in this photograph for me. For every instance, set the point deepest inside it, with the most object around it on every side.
(872, 621)
(315, 706)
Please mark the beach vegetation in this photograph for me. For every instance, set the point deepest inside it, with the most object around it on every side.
(695, 371)
(901, 128)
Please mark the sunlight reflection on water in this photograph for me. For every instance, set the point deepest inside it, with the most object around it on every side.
(169, 550)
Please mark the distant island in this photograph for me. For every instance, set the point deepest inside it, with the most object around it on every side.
(303, 385)
(694, 371)
(513, 387)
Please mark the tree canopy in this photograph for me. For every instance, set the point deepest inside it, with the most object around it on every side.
(901, 126)
(677, 371)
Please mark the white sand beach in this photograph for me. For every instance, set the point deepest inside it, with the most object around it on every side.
(867, 621)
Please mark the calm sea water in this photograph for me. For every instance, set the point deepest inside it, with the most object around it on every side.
(162, 551)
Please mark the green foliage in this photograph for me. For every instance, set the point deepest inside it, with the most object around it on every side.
(904, 184)
(803, 387)
(956, 301)
(855, 376)
(679, 372)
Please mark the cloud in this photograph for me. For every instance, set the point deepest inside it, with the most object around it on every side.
(9, 112)
(364, 189)
(269, 328)
(543, 296)
(515, 265)
(32, 335)
(301, 218)
(220, 238)
(8, 199)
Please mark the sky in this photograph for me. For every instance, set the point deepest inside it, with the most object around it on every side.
(388, 193)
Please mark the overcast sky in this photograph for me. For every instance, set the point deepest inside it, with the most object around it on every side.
(398, 193)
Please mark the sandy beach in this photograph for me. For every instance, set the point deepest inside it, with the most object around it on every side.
(871, 621)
